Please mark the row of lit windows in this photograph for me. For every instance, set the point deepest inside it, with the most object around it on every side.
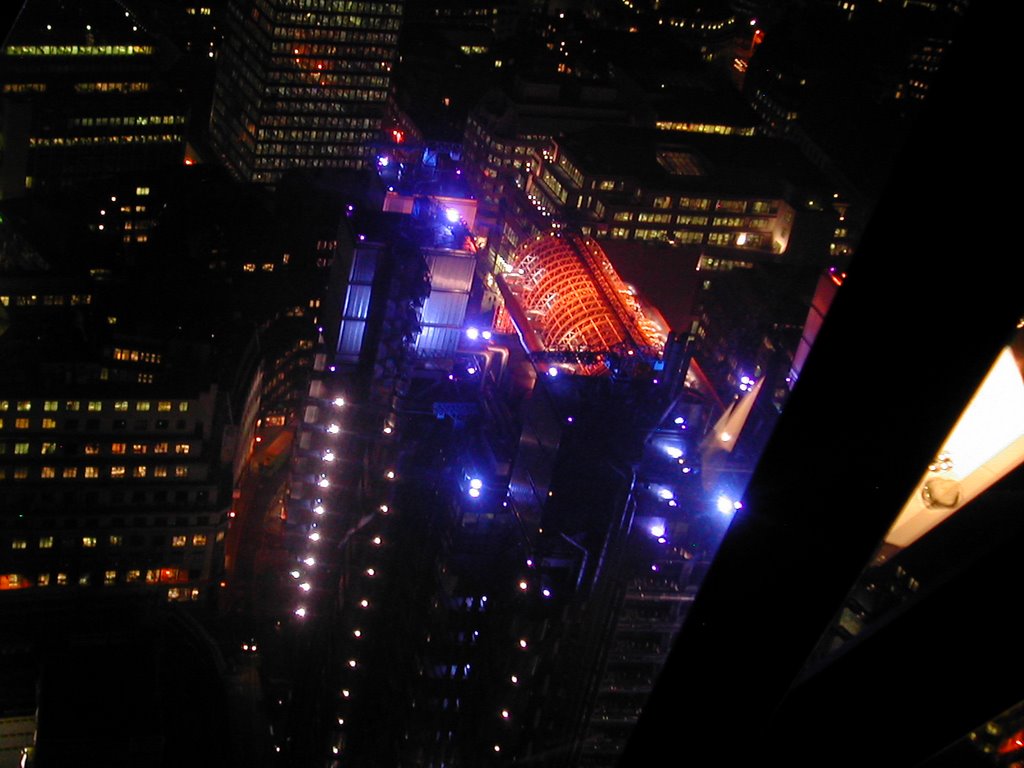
(723, 130)
(79, 50)
(356, 36)
(89, 122)
(554, 186)
(153, 576)
(95, 406)
(722, 265)
(24, 87)
(93, 141)
(346, 6)
(113, 540)
(91, 472)
(310, 120)
(327, 94)
(330, 50)
(311, 150)
(128, 87)
(314, 136)
(335, 76)
(47, 448)
(571, 170)
(26, 423)
(140, 356)
(679, 236)
(32, 300)
(340, 22)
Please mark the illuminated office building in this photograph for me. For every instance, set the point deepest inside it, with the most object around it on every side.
(118, 434)
(302, 85)
(87, 93)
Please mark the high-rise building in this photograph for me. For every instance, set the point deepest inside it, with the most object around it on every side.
(88, 92)
(302, 85)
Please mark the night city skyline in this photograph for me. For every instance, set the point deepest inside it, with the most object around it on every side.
(485, 383)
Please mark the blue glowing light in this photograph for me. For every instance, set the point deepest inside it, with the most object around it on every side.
(552, 371)
(452, 215)
(383, 161)
(657, 530)
(473, 333)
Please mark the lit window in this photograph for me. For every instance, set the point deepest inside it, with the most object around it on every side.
(43, 580)
(118, 448)
(178, 541)
(160, 448)
(115, 541)
(139, 448)
(95, 405)
(48, 448)
(92, 472)
(89, 541)
(159, 471)
(199, 540)
(45, 542)
(133, 575)
(21, 423)
(142, 405)
(174, 593)
(139, 471)
(47, 473)
(19, 544)
(69, 473)
(24, 405)
(92, 448)
(164, 405)
(142, 191)
(21, 448)
(83, 580)
(181, 448)
(120, 405)
(183, 406)
(20, 473)
(50, 405)
(49, 424)
(109, 577)
(117, 470)
(72, 405)
(4, 405)
(181, 471)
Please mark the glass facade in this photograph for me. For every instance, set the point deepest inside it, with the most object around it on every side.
(302, 84)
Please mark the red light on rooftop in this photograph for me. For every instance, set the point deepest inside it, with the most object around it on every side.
(398, 136)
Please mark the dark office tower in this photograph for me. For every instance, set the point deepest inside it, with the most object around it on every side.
(302, 84)
(87, 93)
